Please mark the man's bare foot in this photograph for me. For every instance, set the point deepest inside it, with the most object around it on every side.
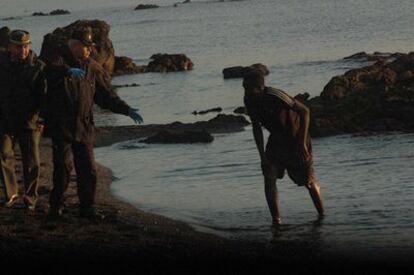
(276, 222)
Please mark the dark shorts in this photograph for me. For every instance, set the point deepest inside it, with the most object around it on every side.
(285, 159)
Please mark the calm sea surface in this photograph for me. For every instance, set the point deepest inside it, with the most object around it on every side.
(367, 182)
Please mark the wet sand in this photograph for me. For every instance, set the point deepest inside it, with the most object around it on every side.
(131, 240)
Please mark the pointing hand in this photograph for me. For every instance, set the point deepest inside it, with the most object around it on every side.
(133, 113)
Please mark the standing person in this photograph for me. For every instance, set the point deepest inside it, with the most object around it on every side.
(22, 95)
(289, 144)
(77, 82)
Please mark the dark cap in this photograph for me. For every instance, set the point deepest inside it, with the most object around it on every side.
(19, 37)
(84, 35)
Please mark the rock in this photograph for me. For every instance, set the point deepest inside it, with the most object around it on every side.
(224, 123)
(4, 37)
(126, 85)
(379, 97)
(146, 6)
(170, 136)
(240, 72)
(240, 110)
(39, 14)
(54, 12)
(59, 12)
(125, 65)
(12, 18)
(376, 56)
(169, 63)
(56, 42)
(217, 109)
(220, 124)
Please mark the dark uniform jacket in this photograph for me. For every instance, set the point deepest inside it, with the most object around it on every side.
(69, 115)
(22, 92)
(274, 110)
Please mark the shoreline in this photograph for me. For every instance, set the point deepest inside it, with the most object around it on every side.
(130, 239)
(127, 235)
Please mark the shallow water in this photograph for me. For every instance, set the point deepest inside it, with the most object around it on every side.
(367, 182)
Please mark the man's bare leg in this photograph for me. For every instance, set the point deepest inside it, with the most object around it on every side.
(272, 199)
(315, 193)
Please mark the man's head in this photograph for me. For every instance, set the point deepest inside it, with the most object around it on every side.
(80, 43)
(253, 83)
(19, 45)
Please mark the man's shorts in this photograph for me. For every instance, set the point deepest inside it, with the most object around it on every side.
(284, 159)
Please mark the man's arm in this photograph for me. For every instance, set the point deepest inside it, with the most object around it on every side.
(304, 113)
(106, 96)
(258, 137)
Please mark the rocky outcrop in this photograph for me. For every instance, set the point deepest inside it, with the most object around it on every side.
(240, 110)
(146, 6)
(375, 98)
(212, 110)
(54, 12)
(240, 72)
(174, 136)
(104, 54)
(376, 56)
(162, 63)
(222, 123)
(125, 65)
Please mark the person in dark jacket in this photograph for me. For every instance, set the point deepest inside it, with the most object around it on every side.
(76, 83)
(22, 96)
(289, 146)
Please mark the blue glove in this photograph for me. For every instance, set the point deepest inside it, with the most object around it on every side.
(76, 72)
(136, 117)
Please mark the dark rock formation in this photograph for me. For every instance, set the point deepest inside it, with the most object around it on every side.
(375, 98)
(125, 65)
(126, 85)
(39, 14)
(59, 12)
(223, 123)
(220, 124)
(172, 136)
(169, 63)
(56, 42)
(240, 72)
(376, 56)
(54, 12)
(4, 37)
(217, 109)
(146, 6)
(240, 110)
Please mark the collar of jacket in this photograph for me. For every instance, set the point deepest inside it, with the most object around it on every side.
(29, 61)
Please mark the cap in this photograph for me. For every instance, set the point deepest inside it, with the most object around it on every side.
(84, 35)
(19, 37)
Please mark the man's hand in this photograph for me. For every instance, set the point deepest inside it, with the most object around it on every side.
(268, 168)
(76, 72)
(136, 117)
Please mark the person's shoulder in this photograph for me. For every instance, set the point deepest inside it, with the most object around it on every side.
(278, 94)
(96, 67)
(4, 57)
